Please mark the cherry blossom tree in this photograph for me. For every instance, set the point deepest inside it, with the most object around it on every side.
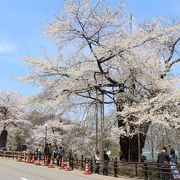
(52, 131)
(13, 117)
(12, 109)
(100, 53)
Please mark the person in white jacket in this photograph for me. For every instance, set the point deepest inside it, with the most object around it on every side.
(97, 162)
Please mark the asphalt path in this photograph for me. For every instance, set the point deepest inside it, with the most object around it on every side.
(12, 170)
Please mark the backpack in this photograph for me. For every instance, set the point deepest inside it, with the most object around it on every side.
(59, 154)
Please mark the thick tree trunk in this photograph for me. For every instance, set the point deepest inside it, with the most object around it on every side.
(3, 138)
(129, 144)
(129, 147)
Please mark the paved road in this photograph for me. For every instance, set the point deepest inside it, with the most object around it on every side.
(12, 170)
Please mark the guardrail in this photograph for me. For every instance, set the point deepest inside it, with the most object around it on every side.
(145, 170)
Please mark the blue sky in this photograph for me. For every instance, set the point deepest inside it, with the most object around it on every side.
(22, 23)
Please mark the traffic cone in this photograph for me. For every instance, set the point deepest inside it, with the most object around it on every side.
(19, 159)
(87, 172)
(33, 160)
(27, 159)
(38, 162)
(51, 164)
(45, 162)
(62, 164)
(68, 167)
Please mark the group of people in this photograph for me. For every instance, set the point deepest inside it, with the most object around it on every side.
(50, 153)
(55, 154)
(105, 161)
(167, 161)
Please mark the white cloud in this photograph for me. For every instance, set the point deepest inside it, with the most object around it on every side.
(7, 47)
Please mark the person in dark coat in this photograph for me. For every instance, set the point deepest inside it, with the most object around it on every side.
(71, 159)
(106, 163)
(50, 152)
(163, 161)
(46, 151)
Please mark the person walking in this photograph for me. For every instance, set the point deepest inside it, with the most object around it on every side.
(106, 163)
(97, 162)
(163, 161)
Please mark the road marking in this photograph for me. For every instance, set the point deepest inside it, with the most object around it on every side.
(23, 179)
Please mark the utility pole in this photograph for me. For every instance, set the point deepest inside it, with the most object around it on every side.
(102, 120)
(139, 146)
(96, 119)
(102, 127)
